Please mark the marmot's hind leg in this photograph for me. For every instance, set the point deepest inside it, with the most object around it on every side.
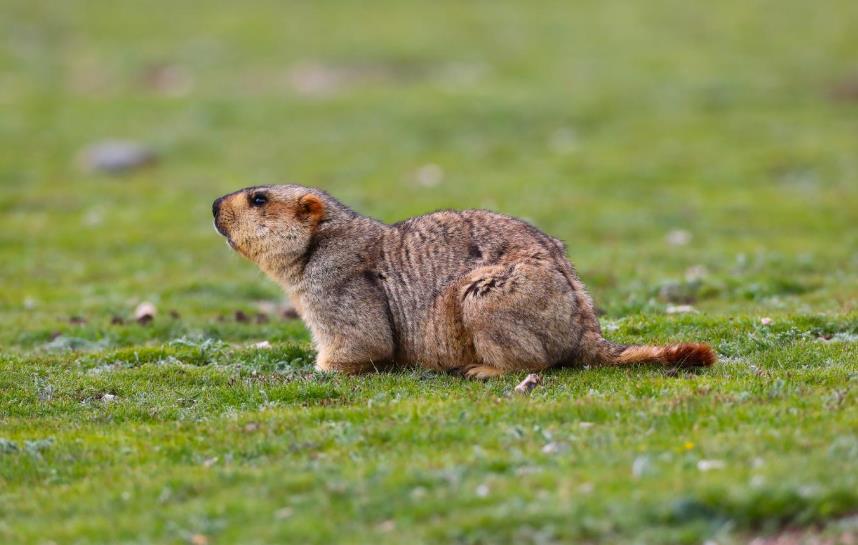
(518, 316)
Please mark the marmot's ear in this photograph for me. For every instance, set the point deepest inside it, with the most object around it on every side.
(311, 207)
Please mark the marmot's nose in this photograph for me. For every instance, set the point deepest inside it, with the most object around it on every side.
(216, 207)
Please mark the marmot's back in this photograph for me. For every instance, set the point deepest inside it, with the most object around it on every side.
(428, 252)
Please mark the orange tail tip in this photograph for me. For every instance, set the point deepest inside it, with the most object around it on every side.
(682, 355)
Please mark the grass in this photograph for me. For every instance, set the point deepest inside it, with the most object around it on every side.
(610, 125)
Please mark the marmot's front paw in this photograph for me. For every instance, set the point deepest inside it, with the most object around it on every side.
(324, 368)
(326, 365)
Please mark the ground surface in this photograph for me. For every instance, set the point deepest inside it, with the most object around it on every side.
(688, 157)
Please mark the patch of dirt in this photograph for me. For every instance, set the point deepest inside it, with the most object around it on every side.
(241, 317)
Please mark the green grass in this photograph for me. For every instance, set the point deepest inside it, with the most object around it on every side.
(607, 124)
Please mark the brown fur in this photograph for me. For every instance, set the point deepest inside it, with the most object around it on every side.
(682, 355)
(472, 291)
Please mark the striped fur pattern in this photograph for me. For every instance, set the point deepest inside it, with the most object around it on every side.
(470, 291)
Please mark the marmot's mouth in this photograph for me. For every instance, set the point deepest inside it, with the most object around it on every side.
(218, 229)
(229, 241)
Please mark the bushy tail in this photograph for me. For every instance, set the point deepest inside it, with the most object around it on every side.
(680, 355)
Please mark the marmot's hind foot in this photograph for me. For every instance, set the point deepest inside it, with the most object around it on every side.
(483, 372)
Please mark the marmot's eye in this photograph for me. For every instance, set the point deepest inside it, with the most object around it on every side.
(258, 200)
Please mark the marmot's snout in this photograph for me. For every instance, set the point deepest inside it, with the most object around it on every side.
(216, 206)
(215, 212)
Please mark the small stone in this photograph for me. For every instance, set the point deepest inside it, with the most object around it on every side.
(284, 513)
(311, 78)
(116, 157)
(641, 466)
(7, 446)
(695, 273)
(709, 465)
(387, 526)
(530, 382)
(108, 398)
(36, 446)
(678, 237)
(680, 309)
(93, 217)
(563, 141)
(262, 345)
(145, 312)
(482, 491)
(553, 448)
(46, 393)
(429, 175)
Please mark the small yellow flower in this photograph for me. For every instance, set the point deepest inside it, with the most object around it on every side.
(688, 445)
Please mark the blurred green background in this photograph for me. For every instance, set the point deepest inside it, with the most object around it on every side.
(608, 124)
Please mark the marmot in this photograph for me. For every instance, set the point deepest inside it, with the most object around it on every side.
(472, 291)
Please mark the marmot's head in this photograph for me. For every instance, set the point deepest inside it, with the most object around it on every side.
(270, 224)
